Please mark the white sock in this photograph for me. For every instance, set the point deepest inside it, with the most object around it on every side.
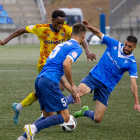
(22, 138)
(19, 107)
(33, 129)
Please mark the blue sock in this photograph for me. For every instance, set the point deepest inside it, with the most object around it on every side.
(49, 121)
(40, 119)
(69, 99)
(89, 114)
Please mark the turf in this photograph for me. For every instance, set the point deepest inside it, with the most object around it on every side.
(18, 72)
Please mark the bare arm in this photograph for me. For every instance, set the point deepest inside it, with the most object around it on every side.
(13, 35)
(94, 30)
(67, 70)
(134, 90)
(88, 53)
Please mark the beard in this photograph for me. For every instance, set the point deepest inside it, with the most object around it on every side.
(126, 52)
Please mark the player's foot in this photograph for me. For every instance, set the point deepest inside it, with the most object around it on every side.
(29, 132)
(81, 112)
(16, 113)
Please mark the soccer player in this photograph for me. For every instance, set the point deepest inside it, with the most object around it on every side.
(50, 96)
(50, 35)
(117, 59)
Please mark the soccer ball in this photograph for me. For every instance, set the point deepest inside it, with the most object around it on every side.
(69, 125)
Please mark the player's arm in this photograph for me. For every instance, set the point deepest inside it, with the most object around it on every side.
(88, 53)
(13, 35)
(68, 74)
(65, 83)
(67, 70)
(94, 30)
(134, 90)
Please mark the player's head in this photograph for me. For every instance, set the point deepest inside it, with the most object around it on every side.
(129, 45)
(79, 31)
(58, 19)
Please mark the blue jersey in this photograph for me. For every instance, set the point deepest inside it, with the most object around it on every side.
(53, 69)
(113, 64)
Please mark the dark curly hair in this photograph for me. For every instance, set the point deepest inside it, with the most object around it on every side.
(132, 39)
(57, 13)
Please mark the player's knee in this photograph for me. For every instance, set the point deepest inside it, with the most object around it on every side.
(98, 119)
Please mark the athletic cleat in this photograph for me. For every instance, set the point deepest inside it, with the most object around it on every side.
(27, 130)
(16, 113)
(81, 112)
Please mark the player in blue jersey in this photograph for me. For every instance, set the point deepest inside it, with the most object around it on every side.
(117, 59)
(49, 95)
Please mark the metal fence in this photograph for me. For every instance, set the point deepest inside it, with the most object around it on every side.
(120, 9)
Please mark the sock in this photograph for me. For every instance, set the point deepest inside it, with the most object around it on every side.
(89, 114)
(33, 129)
(29, 100)
(19, 106)
(69, 99)
(49, 121)
(40, 119)
(23, 138)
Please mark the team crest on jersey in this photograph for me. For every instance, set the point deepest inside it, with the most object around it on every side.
(31, 27)
(126, 61)
(63, 34)
(74, 54)
(115, 48)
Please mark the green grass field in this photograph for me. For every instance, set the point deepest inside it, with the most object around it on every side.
(17, 76)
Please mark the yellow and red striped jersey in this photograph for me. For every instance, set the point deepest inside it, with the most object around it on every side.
(49, 39)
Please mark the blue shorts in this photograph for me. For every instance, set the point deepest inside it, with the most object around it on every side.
(101, 93)
(49, 95)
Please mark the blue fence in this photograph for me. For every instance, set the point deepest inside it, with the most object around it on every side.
(4, 17)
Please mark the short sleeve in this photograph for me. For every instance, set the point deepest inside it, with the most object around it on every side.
(75, 53)
(133, 70)
(32, 29)
(108, 40)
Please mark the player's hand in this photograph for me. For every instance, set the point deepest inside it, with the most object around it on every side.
(74, 94)
(2, 42)
(137, 106)
(86, 23)
(91, 56)
(78, 100)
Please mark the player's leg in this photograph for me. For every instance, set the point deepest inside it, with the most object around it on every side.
(82, 90)
(53, 120)
(86, 85)
(32, 97)
(26, 102)
(100, 109)
(45, 115)
(101, 95)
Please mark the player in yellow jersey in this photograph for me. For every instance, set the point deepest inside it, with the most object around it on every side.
(49, 36)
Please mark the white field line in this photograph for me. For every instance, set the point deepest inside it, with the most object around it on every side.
(14, 70)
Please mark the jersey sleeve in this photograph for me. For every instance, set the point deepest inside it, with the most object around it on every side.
(108, 40)
(133, 70)
(75, 53)
(32, 29)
